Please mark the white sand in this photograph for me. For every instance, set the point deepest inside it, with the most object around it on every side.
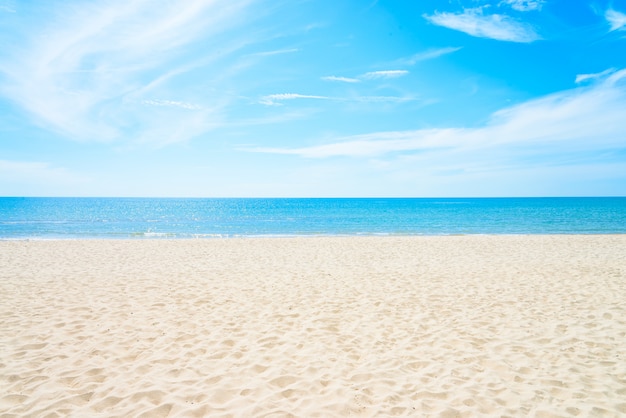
(306, 327)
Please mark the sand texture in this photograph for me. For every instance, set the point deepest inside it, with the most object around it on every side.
(314, 327)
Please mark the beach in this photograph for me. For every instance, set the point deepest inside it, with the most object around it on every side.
(433, 326)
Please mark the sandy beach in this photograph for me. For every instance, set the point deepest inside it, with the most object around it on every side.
(456, 326)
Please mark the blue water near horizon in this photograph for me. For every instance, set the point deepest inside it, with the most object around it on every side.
(122, 218)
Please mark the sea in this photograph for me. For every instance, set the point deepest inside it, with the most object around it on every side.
(26, 218)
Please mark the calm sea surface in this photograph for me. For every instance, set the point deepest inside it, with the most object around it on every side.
(53, 218)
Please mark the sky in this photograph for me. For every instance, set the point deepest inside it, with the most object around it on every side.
(313, 98)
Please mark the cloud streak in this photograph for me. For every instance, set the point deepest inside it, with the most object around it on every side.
(616, 19)
(172, 103)
(383, 74)
(579, 120)
(524, 5)
(276, 99)
(89, 72)
(373, 75)
(428, 55)
(341, 79)
(495, 26)
(580, 78)
(275, 52)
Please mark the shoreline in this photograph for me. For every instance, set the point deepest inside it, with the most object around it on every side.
(210, 237)
(458, 325)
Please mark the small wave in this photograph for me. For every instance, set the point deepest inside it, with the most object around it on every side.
(151, 234)
(209, 236)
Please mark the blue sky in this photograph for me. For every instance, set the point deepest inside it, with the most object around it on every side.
(312, 98)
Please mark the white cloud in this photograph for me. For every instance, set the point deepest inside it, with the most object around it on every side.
(616, 19)
(86, 71)
(342, 79)
(275, 99)
(579, 120)
(412, 60)
(371, 145)
(586, 77)
(372, 75)
(428, 55)
(384, 74)
(172, 103)
(524, 5)
(291, 96)
(495, 26)
(275, 52)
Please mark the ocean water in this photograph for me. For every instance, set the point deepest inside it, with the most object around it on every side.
(76, 218)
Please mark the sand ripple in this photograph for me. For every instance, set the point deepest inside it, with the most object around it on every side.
(315, 327)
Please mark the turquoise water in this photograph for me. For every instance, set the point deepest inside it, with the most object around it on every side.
(53, 218)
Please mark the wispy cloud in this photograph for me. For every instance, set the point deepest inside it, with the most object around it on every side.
(341, 79)
(493, 26)
(384, 74)
(616, 19)
(172, 103)
(428, 55)
(276, 99)
(582, 119)
(274, 52)
(587, 77)
(409, 61)
(372, 75)
(89, 71)
(524, 5)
